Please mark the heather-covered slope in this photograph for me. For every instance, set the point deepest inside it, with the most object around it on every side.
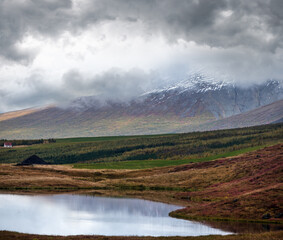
(245, 187)
(242, 187)
(254, 179)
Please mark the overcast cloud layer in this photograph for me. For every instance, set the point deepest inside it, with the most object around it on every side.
(55, 51)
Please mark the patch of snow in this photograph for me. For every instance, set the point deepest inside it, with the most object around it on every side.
(197, 82)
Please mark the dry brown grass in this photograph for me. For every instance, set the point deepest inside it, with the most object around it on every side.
(242, 187)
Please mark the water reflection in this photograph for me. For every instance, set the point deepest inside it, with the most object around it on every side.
(77, 214)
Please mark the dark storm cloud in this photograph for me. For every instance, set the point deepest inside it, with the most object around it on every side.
(19, 18)
(254, 24)
(204, 21)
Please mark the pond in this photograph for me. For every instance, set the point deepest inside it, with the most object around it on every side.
(68, 214)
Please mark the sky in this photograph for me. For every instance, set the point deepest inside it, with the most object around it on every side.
(54, 51)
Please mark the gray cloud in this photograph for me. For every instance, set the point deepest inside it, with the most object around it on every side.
(113, 84)
(244, 38)
(19, 18)
(33, 91)
(255, 24)
(202, 21)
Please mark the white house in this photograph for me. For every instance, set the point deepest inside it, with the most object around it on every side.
(8, 144)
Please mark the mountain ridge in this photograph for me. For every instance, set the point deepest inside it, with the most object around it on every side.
(186, 106)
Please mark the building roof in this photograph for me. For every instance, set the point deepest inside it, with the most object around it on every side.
(32, 160)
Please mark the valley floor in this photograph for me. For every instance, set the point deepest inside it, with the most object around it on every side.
(244, 188)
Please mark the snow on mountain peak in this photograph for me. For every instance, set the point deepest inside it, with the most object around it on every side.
(197, 82)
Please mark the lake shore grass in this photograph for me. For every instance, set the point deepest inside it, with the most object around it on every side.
(243, 187)
(6, 235)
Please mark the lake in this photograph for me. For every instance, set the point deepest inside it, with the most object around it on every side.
(68, 214)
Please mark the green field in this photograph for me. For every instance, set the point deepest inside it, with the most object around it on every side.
(109, 138)
(144, 164)
(148, 150)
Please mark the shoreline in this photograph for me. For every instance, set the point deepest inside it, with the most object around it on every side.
(9, 235)
(129, 194)
(221, 190)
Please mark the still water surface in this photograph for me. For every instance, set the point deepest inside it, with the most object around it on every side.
(88, 215)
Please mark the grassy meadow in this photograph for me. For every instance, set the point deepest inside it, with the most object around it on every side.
(145, 164)
(147, 151)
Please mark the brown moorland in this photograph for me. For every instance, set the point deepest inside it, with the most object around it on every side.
(242, 188)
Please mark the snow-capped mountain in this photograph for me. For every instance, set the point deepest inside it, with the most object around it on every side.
(198, 82)
(195, 96)
(185, 105)
(205, 95)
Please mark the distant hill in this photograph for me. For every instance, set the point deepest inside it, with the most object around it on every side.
(199, 103)
(15, 114)
(271, 113)
(279, 121)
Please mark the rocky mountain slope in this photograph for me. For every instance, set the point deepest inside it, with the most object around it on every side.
(184, 106)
